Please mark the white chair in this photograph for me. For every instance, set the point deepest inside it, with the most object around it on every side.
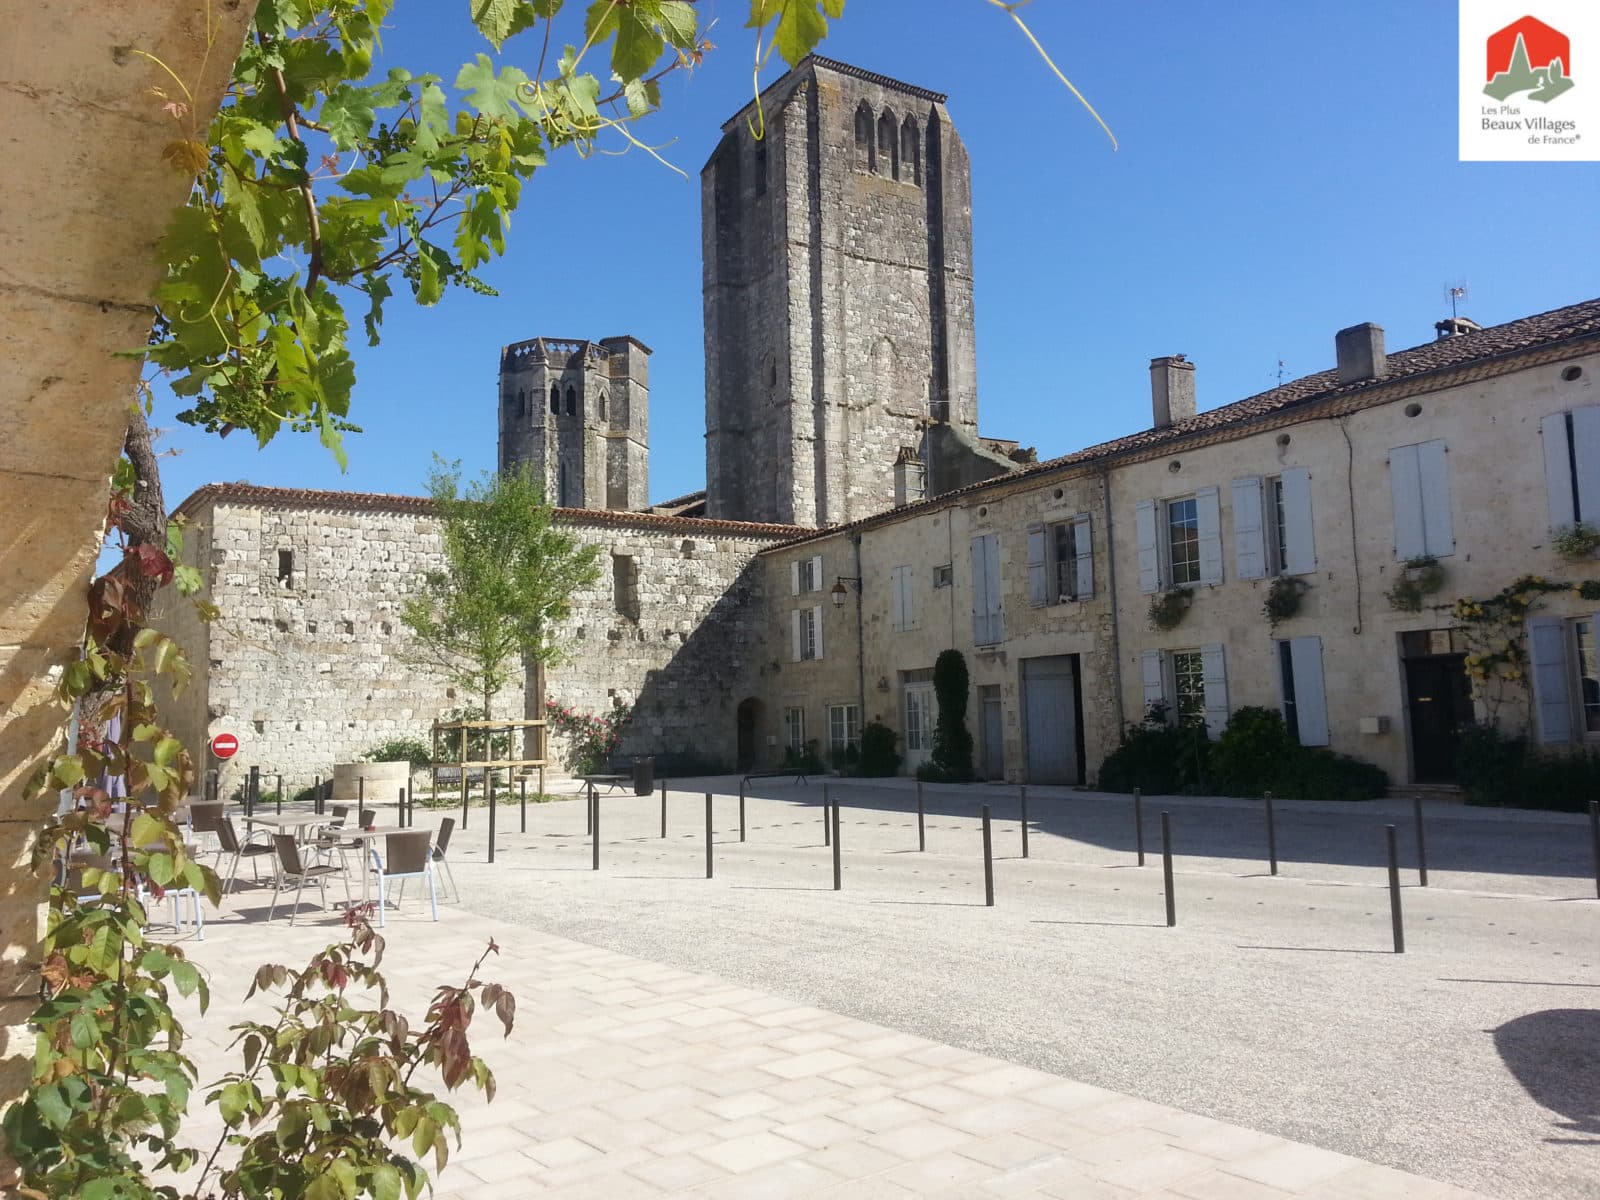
(407, 855)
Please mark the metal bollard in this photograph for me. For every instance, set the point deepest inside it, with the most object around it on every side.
(1594, 836)
(1422, 845)
(400, 803)
(280, 795)
(361, 792)
(838, 876)
(316, 795)
(1166, 868)
(594, 824)
(465, 798)
(1024, 799)
(663, 808)
(1138, 823)
(588, 812)
(826, 833)
(708, 835)
(252, 791)
(524, 787)
(741, 810)
(489, 787)
(988, 862)
(1272, 835)
(922, 833)
(1394, 892)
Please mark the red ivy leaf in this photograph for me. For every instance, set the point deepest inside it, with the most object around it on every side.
(154, 563)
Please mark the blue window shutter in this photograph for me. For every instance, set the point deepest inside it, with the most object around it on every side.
(1215, 677)
(1547, 644)
(1300, 551)
(1558, 470)
(1083, 556)
(1208, 511)
(1586, 454)
(1038, 581)
(1249, 541)
(1144, 520)
(1153, 678)
(1405, 486)
(1310, 698)
(1433, 467)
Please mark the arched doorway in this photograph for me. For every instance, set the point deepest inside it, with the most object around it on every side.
(749, 718)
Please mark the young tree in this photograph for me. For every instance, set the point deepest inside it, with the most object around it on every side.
(508, 580)
(952, 741)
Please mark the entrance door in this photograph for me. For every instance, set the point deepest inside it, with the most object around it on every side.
(1439, 700)
(1050, 707)
(994, 759)
(920, 715)
(749, 711)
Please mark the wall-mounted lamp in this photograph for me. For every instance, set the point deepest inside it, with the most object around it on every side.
(840, 591)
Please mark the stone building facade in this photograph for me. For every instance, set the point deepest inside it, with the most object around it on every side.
(837, 258)
(578, 414)
(841, 404)
(308, 664)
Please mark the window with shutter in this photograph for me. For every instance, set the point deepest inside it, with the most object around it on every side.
(1083, 557)
(901, 601)
(1572, 465)
(1153, 679)
(1420, 485)
(1547, 653)
(1144, 521)
(986, 607)
(1249, 542)
(1305, 704)
(1296, 541)
(1215, 689)
(1038, 567)
(816, 631)
(1208, 528)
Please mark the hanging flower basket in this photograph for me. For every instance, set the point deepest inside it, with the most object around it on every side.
(1576, 541)
(1283, 599)
(1167, 609)
(1419, 579)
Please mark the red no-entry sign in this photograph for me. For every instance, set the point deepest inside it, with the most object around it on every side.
(225, 745)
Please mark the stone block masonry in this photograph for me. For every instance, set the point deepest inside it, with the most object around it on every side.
(308, 663)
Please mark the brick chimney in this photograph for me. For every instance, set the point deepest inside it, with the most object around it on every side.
(1360, 353)
(1456, 327)
(1171, 389)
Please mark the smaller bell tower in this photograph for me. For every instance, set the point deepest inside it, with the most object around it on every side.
(578, 412)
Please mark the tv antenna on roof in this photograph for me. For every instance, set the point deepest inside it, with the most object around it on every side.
(1455, 293)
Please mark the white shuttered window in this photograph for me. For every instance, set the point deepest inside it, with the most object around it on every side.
(1420, 482)
(1305, 701)
(1572, 465)
(987, 622)
(902, 615)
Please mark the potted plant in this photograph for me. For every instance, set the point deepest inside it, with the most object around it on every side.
(1283, 599)
(1419, 578)
(1167, 608)
(1576, 541)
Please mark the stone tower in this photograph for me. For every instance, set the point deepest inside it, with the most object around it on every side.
(579, 412)
(838, 300)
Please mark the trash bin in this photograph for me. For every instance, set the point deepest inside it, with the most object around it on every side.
(644, 775)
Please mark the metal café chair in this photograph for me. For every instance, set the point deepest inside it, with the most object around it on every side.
(291, 868)
(228, 838)
(441, 847)
(406, 855)
(205, 816)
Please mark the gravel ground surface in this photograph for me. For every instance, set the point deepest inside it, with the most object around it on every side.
(1276, 1003)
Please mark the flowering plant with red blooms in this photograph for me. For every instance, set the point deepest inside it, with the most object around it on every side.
(590, 740)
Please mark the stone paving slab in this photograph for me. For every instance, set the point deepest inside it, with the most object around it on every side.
(626, 1078)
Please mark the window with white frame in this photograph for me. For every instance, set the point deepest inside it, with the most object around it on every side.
(902, 604)
(1272, 531)
(1182, 542)
(1179, 540)
(1564, 657)
(794, 729)
(1572, 465)
(1060, 561)
(805, 576)
(844, 728)
(1191, 685)
(805, 629)
(919, 717)
(1420, 482)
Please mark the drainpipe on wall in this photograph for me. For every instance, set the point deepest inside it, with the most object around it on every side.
(1111, 595)
(861, 641)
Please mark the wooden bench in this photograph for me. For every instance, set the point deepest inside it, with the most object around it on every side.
(796, 773)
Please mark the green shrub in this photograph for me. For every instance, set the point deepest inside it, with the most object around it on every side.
(1251, 752)
(1157, 758)
(412, 750)
(878, 757)
(952, 741)
(1315, 773)
(807, 760)
(1505, 772)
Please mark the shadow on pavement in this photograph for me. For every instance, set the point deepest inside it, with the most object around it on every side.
(1555, 1055)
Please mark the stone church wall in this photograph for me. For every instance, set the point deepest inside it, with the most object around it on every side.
(313, 670)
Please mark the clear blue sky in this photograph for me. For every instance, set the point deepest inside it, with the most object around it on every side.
(1285, 171)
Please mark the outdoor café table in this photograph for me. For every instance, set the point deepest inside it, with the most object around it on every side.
(370, 835)
(297, 821)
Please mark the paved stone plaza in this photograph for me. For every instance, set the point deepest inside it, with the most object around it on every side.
(760, 1034)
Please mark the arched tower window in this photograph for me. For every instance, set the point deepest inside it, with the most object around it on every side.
(522, 403)
(888, 146)
(601, 403)
(572, 401)
(555, 399)
(866, 159)
(910, 153)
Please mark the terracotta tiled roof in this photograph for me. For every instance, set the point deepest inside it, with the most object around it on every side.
(1431, 365)
(276, 497)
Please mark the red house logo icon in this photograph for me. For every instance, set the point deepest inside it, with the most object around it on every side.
(1528, 56)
